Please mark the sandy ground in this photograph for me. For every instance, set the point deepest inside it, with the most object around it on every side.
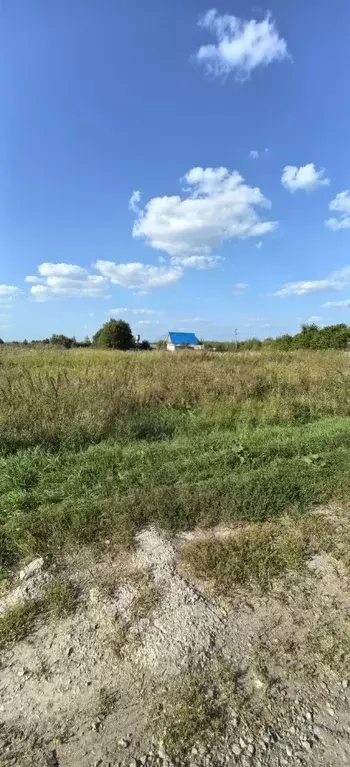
(81, 690)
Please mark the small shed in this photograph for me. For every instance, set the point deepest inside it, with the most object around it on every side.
(177, 341)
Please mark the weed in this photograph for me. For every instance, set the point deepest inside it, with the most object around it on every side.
(108, 700)
(59, 598)
(119, 638)
(18, 622)
(329, 647)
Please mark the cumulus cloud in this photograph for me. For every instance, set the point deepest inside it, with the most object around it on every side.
(306, 177)
(337, 304)
(134, 201)
(335, 281)
(259, 244)
(315, 319)
(61, 280)
(241, 45)
(253, 154)
(9, 291)
(136, 275)
(217, 205)
(341, 205)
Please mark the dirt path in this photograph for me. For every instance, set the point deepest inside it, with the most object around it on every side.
(96, 687)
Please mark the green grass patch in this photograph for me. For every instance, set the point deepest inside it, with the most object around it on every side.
(18, 622)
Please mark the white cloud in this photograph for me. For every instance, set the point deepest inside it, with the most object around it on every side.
(218, 206)
(9, 291)
(195, 262)
(306, 177)
(241, 46)
(134, 201)
(136, 275)
(200, 320)
(341, 205)
(259, 244)
(62, 280)
(131, 311)
(315, 319)
(240, 285)
(335, 281)
(91, 314)
(253, 154)
(337, 304)
(147, 322)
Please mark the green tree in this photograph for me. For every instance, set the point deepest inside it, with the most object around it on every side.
(61, 340)
(115, 334)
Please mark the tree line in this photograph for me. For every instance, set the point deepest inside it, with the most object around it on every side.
(114, 334)
(309, 337)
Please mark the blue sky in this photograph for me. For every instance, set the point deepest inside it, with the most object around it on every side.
(183, 165)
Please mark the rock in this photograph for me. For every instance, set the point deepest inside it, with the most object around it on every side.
(98, 763)
(124, 743)
(133, 763)
(251, 749)
(289, 750)
(52, 759)
(31, 570)
(306, 745)
(143, 759)
(236, 749)
(330, 710)
(94, 595)
(242, 743)
(345, 684)
(70, 651)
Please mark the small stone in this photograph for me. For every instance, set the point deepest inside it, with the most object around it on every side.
(251, 749)
(308, 716)
(236, 750)
(242, 743)
(123, 743)
(306, 745)
(94, 595)
(96, 725)
(133, 763)
(34, 567)
(70, 651)
(98, 763)
(289, 751)
(345, 684)
(330, 710)
(143, 759)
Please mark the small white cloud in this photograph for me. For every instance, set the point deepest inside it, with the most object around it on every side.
(314, 319)
(253, 154)
(134, 201)
(306, 177)
(9, 291)
(259, 244)
(341, 205)
(241, 45)
(61, 280)
(147, 322)
(240, 286)
(337, 304)
(131, 311)
(199, 320)
(91, 314)
(136, 275)
(218, 206)
(335, 281)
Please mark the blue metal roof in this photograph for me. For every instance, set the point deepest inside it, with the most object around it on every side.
(183, 338)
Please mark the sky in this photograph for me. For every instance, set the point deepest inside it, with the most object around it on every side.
(184, 166)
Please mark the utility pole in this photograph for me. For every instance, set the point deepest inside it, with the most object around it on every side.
(236, 338)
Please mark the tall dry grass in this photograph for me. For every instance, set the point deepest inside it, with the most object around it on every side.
(82, 396)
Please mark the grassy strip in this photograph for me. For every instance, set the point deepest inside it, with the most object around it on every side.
(257, 555)
(248, 493)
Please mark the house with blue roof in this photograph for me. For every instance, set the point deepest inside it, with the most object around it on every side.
(177, 341)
